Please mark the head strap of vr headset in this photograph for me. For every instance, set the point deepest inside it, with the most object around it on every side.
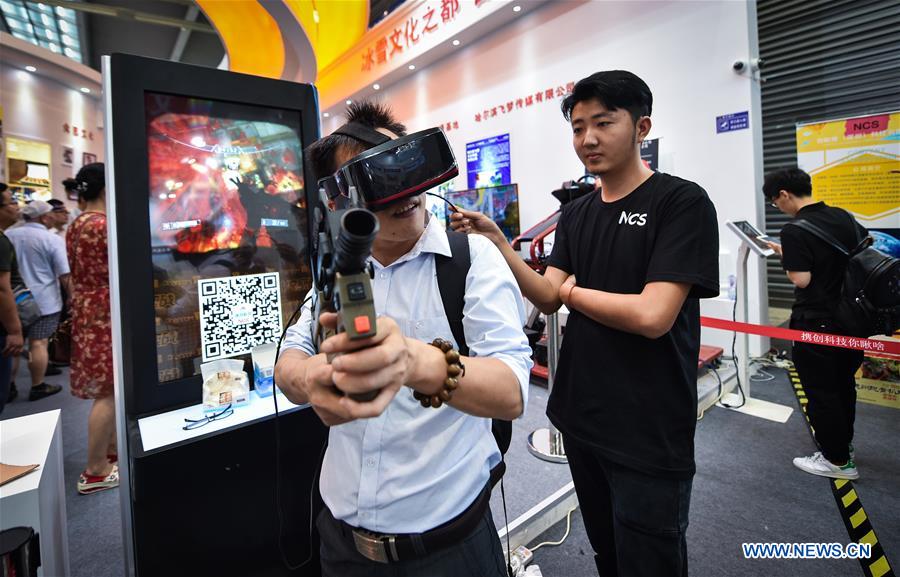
(362, 133)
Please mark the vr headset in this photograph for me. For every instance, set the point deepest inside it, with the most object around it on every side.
(392, 169)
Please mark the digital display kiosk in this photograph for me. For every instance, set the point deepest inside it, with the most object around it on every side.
(752, 240)
(208, 246)
(751, 236)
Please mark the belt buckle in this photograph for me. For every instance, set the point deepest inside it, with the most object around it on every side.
(370, 546)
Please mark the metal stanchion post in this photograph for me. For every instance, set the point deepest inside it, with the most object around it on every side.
(547, 443)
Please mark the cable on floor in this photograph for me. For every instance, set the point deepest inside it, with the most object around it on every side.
(560, 542)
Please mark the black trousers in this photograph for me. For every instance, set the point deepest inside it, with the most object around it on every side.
(636, 522)
(478, 555)
(829, 381)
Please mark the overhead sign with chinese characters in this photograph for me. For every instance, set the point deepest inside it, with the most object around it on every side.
(528, 100)
(855, 164)
(403, 37)
(417, 26)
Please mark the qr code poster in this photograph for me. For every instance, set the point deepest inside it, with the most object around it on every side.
(238, 313)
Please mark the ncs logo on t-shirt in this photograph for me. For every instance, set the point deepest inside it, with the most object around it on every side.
(634, 218)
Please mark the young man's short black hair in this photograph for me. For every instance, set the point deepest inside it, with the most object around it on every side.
(614, 89)
(793, 180)
(321, 154)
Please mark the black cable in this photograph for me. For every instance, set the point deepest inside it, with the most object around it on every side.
(715, 371)
(506, 521)
(737, 367)
(712, 367)
(278, 508)
(452, 206)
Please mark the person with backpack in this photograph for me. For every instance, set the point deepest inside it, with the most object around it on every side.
(817, 270)
(406, 487)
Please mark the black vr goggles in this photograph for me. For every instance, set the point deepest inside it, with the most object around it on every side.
(392, 169)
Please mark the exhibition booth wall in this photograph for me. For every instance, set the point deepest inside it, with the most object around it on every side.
(511, 82)
(684, 51)
(46, 118)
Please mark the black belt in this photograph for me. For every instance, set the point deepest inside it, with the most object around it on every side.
(390, 548)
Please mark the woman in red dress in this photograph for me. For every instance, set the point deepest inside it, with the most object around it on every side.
(91, 362)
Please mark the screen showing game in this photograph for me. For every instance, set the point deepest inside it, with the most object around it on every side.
(501, 203)
(227, 227)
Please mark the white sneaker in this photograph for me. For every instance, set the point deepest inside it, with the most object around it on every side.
(819, 465)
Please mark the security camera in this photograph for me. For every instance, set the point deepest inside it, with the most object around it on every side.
(757, 63)
(739, 66)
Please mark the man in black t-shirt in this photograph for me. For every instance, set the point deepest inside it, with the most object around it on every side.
(630, 263)
(817, 272)
(11, 340)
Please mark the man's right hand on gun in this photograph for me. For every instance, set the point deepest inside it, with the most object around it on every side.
(469, 221)
(380, 363)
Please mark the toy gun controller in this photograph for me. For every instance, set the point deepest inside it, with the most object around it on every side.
(343, 275)
(388, 170)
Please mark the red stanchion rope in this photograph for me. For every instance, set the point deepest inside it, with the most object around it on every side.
(875, 346)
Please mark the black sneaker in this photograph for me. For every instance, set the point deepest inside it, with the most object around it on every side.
(52, 371)
(42, 391)
(13, 393)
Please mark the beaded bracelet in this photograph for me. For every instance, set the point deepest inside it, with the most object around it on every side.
(455, 371)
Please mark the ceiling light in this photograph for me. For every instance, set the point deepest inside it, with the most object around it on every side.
(85, 89)
(31, 69)
(517, 8)
(376, 86)
(385, 13)
(412, 66)
(349, 102)
(325, 114)
(456, 42)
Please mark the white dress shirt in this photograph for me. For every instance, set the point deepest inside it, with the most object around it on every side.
(413, 468)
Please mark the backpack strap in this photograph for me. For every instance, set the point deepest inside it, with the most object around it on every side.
(451, 277)
(820, 234)
(856, 234)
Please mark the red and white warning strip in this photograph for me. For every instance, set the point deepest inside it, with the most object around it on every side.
(877, 347)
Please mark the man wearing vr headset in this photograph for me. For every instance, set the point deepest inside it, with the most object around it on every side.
(630, 263)
(406, 487)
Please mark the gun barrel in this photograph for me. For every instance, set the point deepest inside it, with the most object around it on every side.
(354, 242)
